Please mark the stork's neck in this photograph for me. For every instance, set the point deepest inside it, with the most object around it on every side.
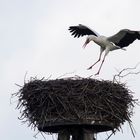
(92, 38)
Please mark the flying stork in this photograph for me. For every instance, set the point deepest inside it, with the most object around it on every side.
(118, 41)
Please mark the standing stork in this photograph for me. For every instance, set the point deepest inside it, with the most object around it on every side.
(118, 41)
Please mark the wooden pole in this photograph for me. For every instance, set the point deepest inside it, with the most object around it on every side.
(63, 135)
(77, 134)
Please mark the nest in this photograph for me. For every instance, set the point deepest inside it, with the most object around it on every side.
(52, 104)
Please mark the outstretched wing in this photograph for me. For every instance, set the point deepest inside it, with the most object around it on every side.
(124, 37)
(81, 30)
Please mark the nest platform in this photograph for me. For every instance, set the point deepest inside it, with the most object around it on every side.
(73, 103)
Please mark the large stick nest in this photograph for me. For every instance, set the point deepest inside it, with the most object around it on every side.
(76, 100)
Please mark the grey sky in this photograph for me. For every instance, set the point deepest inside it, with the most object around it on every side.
(34, 38)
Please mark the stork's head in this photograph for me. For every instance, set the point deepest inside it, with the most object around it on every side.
(89, 38)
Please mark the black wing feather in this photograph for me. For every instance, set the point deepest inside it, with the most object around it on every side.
(124, 37)
(80, 30)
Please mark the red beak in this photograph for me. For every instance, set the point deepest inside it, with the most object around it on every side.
(85, 44)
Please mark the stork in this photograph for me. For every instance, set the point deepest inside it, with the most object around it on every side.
(118, 41)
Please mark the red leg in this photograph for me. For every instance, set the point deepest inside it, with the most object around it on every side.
(101, 51)
(106, 52)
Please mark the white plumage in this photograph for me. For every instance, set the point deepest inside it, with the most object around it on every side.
(118, 41)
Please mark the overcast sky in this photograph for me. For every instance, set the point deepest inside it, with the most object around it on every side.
(34, 38)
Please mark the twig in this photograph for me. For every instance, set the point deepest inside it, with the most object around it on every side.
(122, 75)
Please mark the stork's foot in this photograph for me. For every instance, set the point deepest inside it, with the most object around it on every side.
(97, 73)
(89, 68)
